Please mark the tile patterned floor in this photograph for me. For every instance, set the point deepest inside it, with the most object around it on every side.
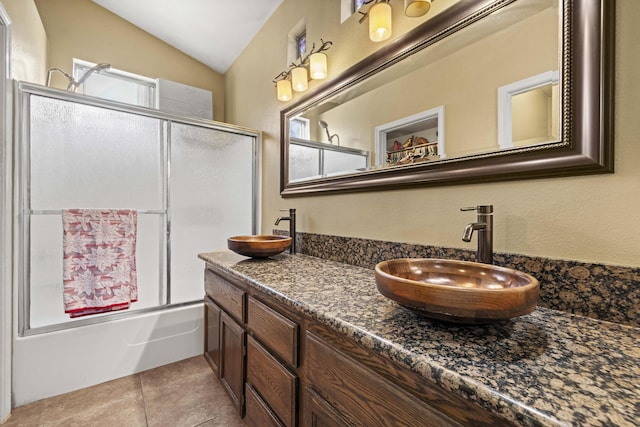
(182, 394)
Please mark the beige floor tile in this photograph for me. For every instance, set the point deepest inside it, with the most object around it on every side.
(183, 394)
(123, 412)
(188, 403)
(91, 398)
(157, 379)
(25, 416)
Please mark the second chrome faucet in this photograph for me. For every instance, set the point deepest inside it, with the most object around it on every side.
(484, 227)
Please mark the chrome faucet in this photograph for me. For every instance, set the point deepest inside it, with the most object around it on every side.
(292, 227)
(484, 226)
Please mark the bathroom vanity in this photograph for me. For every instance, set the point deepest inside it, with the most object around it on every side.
(299, 340)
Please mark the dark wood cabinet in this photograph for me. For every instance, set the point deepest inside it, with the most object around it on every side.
(360, 395)
(232, 351)
(224, 293)
(258, 412)
(284, 368)
(212, 334)
(277, 332)
(225, 336)
(273, 382)
(317, 412)
(258, 367)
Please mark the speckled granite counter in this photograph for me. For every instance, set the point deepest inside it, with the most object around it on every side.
(546, 368)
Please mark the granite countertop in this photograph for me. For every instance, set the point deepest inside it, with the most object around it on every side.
(546, 368)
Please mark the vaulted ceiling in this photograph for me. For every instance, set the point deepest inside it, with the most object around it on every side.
(212, 31)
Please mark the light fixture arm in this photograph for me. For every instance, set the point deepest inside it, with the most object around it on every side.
(304, 61)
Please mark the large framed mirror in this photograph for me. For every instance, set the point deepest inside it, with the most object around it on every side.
(486, 90)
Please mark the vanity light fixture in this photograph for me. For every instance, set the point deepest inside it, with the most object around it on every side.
(299, 79)
(379, 19)
(380, 16)
(283, 90)
(318, 66)
(380, 22)
(415, 8)
(297, 76)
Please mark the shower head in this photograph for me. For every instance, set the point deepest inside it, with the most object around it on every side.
(325, 126)
(92, 70)
(75, 84)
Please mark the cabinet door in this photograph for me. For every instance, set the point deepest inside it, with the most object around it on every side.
(318, 413)
(212, 334)
(232, 351)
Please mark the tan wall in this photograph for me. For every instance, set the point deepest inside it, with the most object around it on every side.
(84, 30)
(587, 218)
(464, 90)
(28, 41)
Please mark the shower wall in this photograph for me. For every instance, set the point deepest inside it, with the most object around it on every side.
(193, 183)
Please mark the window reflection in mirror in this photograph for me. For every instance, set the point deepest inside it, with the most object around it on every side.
(528, 111)
(534, 116)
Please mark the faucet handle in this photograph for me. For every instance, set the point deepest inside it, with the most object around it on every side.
(483, 209)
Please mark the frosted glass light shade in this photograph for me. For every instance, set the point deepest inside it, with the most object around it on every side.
(299, 79)
(380, 22)
(318, 66)
(283, 90)
(415, 8)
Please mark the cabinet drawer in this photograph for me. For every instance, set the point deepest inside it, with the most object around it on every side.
(360, 394)
(258, 413)
(272, 381)
(318, 413)
(229, 297)
(274, 330)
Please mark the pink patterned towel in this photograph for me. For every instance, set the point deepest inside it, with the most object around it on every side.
(99, 260)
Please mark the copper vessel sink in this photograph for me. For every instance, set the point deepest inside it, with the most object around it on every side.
(259, 246)
(457, 291)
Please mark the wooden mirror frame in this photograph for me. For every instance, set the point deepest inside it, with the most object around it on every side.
(587, 88)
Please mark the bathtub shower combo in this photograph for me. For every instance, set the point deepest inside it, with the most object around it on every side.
(192, 183)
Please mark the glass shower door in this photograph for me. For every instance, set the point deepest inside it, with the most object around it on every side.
(193, 183)
(83, 156)
(210, 199)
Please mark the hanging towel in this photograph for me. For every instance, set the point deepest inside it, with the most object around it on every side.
(99, 260)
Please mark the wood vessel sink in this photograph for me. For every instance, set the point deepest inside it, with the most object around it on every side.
(259, 246)
(457, 291)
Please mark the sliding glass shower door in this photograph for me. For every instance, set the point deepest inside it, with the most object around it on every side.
(210, 199)
(192, 182)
